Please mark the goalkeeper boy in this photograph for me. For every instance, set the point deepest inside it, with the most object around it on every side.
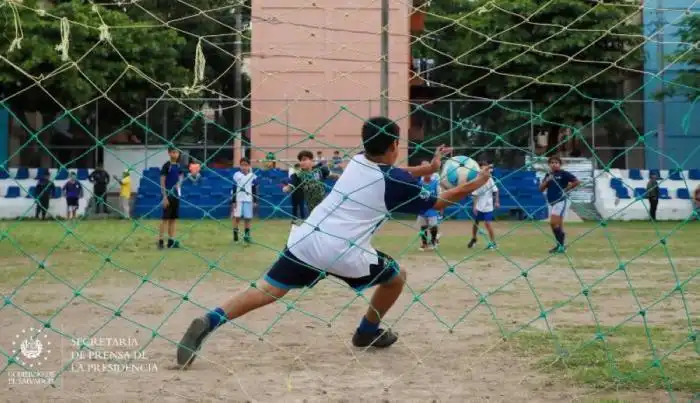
(336, 239)
(309, 179)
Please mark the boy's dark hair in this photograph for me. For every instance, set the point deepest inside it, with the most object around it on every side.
(378, 134)
(483, 163)
(172, 148)
(305, 154)
(336, 152)
(554, 159)
(244, 159)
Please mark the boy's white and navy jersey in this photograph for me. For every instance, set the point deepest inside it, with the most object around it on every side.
(243, 186)
(336, 237)
(484, 196)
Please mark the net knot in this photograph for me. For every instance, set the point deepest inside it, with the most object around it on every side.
(65, 39)
(104, 33)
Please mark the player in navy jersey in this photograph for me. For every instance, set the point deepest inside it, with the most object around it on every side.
(171, 175)
(73, 192)
(558, 183)
(336, 240)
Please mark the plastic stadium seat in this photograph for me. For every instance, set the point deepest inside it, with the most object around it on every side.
(655, 172)
(62, 175)
(693, 174)
(683, 194)
(663, 193)
(31, 193)
(41, 172)
(616, 183)
(12, 192)
(635, 174)
(676, 175)
(4, 174)
(83, 174)
(622, 193)
(57, 193)
(22, 173)
(640, 192)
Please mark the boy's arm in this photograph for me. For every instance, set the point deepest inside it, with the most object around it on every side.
(545, 182)
(163, 174)
(434, 166)
(573, 182)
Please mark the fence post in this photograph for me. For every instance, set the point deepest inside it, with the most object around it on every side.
(595, 160)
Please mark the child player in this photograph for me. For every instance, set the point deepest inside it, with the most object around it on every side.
(558, 183)
(309, 179)
(171, 175)
(245, 189)
(485, 199)
(73, 190)
(428, 219)
(336, 239)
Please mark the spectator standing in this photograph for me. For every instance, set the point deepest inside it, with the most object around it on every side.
(125, 193)
(43, 191)
(653, 195)
(336, 163)
(320, 159)
(696, 199)
(100, 179)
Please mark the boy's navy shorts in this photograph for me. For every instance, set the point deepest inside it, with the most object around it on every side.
(288, 272)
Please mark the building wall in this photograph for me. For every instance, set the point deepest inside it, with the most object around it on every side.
(680, 143)
(315, 70)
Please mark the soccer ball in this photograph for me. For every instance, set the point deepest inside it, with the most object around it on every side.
(457, 170)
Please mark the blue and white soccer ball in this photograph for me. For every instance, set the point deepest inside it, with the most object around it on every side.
(457, 170)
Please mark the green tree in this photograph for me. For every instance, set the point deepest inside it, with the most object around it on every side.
(560, 56)
(687, 83)
(102, 54)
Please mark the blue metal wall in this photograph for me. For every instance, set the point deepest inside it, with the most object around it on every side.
(680, 143)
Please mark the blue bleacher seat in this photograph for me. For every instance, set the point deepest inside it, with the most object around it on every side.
(640, 192)
(694, 174)
(83, 174)
(622, 193)
(655, 172)
(4, 174)
(683, 194)
(62, 175)
(616, 183)
(676, 175)
(12, 192)
(663, 193)
(31, 192)
(40, 173)
(22, 173)
(57, 193)
(635, 174)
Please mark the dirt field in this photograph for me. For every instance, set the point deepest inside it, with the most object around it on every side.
(453, 346)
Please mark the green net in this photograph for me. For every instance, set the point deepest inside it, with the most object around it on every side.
(93, 310)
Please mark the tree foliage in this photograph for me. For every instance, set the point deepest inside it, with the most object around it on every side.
(687, 83)
(107, 53)
(560, 54)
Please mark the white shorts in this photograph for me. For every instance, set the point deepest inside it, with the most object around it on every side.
(427, 221)
(243, 210)
(559, 208)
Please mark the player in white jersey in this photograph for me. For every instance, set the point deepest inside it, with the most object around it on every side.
(336, 240)
(485, 199)
(244, 191)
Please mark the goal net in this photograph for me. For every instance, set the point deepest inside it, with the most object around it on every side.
(522, 307)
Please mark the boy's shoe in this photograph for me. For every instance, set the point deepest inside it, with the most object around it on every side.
(174, 245)
(380, 339)
(423, 247)
(161, 245)
(192, 341)
(557, 249)
(491, 246)
(471, 243)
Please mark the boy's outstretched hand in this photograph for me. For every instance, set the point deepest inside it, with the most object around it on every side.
(440, 152)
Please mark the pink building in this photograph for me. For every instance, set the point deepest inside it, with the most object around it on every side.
(315, 70)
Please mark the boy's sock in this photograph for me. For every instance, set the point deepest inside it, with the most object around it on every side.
(217, 317)
(367, 326)
(171, 242)
(160, 243)
(559, 236)
(246, 233)
(424, 235)
(433, 234)
(235, 235)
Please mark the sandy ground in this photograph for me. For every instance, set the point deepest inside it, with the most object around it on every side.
(301, 358)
